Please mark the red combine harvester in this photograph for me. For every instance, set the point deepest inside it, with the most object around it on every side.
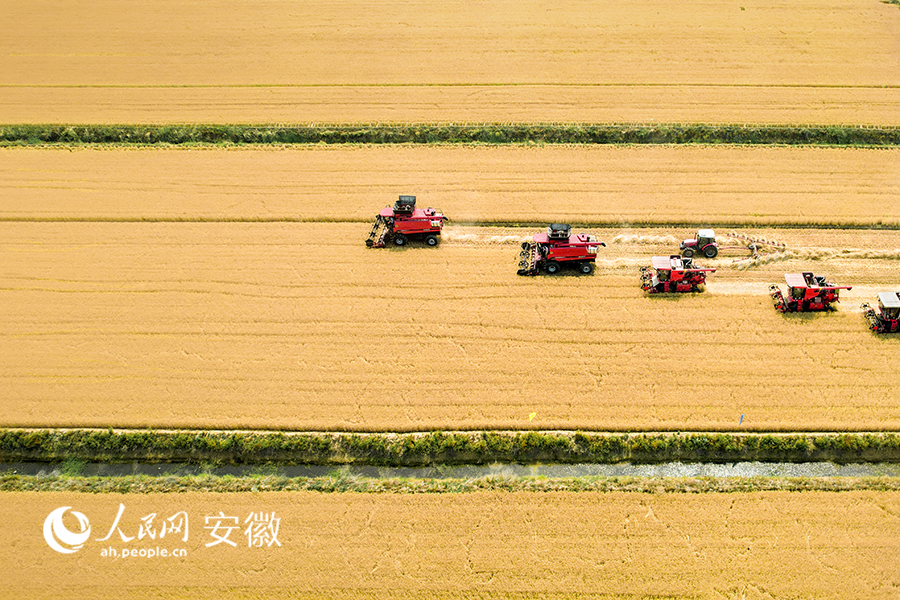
(673, 274)
(404, 222)
(550, 251)
(806, 292)
(887, 318)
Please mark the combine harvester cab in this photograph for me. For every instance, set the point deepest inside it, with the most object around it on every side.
(887, 318)
(806, 292)
(404, 222)
(558, 247)
(668, 274)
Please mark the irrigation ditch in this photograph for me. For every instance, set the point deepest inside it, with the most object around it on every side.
(422, 449)
(487, 133)
(145, 461)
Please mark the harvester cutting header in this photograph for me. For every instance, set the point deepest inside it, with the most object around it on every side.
(550, 251)
(404, 222)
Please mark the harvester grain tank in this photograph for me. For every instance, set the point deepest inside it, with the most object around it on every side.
(806, 292)
(558, 247)
(668, 274)
(886, 319)
(404, 222)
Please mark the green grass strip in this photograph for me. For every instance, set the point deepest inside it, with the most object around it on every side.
(824, 135)
(437, 448)
(339, 483)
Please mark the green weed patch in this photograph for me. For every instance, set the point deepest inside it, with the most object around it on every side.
(339, 483)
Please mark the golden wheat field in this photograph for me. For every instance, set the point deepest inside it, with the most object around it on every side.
(761, 61)
(230, 287)
(613, 185)
(264, 309)
(300, 326)
(497, 545)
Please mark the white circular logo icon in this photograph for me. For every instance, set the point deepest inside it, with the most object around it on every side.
(61, 539)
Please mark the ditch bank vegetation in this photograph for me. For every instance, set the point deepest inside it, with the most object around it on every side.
(488, 133)
(437, 448)
(341, 483)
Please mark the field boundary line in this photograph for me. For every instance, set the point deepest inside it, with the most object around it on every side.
(444, 84)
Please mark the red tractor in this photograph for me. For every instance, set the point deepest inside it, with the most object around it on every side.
(887, 318)
(550, 251)
(673, 274)
(705, 244)
(806, 292)
(404, 222)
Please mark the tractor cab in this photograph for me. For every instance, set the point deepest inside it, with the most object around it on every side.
(889, 302)
(705, 237)
(405, 205)
(705, 243)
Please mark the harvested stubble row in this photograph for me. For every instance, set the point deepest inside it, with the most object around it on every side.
(708, 185)
(502, 545)
(299, 326)
(784, 61)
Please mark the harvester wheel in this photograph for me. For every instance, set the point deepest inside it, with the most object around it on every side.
(688, 252)
(586, 268)
(552, 267)
(710, 251)
(399, 239)
(431, 240)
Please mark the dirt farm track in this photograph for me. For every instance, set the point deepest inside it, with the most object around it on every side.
(118, 314)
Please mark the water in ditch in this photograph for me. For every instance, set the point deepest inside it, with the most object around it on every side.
(674, 469)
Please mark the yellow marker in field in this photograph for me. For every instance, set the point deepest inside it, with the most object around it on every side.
(532, 416)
